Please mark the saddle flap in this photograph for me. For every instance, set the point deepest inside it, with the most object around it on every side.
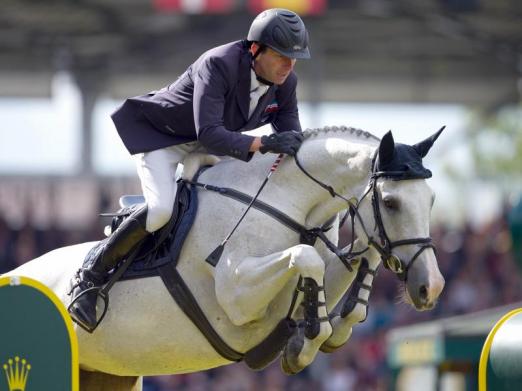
(127, 201)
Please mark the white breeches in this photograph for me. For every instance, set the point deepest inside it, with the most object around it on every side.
(157, 172)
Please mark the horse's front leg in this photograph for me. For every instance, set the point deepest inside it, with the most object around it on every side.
(355, 306)
(313, 330)
(246, 288)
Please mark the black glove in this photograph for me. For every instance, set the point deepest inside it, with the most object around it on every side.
(284, 142)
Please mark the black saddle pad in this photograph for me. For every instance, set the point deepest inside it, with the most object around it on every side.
(165, 245)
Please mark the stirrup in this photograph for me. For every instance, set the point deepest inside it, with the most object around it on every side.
(100, 292)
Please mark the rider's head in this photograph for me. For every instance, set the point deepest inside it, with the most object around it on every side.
(278, 37)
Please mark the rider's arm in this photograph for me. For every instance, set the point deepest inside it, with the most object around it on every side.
(211, 83)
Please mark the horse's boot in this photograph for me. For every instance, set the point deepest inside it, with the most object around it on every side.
(100, 260)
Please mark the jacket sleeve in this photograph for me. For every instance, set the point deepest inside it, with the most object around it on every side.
(210, 89)
(288, 116)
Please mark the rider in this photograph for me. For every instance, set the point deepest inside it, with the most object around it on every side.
(230, 89)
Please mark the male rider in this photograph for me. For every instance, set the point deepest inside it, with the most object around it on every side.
(230, 89)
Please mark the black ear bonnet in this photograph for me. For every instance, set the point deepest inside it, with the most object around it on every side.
(400, 161)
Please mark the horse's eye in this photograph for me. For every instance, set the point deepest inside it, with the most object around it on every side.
(391, 203)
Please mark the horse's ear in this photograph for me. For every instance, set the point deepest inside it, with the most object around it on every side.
(386, 149)
(423, 147)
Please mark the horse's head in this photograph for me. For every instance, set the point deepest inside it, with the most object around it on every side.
(401, 203)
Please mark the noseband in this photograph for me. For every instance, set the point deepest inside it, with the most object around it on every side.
(384, 246)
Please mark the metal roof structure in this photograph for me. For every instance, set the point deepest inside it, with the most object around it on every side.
(460, 51)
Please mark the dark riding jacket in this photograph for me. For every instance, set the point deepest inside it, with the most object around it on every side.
(209, 102)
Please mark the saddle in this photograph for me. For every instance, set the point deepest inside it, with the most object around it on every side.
(163, 246)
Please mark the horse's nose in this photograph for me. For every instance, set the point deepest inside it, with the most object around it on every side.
(420, 296)
(423, 294)
(429, 292)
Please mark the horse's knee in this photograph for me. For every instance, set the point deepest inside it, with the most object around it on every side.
(238, 305)
(240, 314)
(308, 261)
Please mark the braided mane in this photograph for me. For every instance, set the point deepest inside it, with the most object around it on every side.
(359, 133)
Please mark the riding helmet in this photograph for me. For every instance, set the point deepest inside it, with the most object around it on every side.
(282, 30)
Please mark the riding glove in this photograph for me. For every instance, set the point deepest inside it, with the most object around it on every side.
(284, 142)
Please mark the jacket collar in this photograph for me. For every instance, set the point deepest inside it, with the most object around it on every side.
(261, 106)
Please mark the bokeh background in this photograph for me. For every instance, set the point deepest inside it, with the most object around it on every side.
(406, 65)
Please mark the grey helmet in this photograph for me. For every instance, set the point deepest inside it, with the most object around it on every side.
(281, 30)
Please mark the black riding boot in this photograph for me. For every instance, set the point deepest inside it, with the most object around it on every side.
(101, 259)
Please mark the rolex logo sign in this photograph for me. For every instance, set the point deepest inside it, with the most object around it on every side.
(16, 372)
(38, 346)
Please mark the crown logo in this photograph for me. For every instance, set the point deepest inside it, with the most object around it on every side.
(16, 372)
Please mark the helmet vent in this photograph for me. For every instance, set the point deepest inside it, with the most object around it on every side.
(280, 38)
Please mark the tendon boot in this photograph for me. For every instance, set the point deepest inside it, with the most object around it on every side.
(100, 260)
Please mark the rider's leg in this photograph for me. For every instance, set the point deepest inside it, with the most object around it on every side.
(102, 258)
(156, 170)
(157, 173)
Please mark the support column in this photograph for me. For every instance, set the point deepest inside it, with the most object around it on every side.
(90, 84)
(316, 85)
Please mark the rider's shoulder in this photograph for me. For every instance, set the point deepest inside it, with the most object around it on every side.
(227, 57)
(229, 51)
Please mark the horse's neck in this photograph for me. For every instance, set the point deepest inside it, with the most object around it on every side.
(344, 165)
(342, 162)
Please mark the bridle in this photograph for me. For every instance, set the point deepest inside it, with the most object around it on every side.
(384, 246)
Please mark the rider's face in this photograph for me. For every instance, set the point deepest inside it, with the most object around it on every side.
(271, 65)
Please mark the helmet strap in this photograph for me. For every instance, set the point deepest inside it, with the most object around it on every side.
(259, 78)
(263, 80)
(259, 50)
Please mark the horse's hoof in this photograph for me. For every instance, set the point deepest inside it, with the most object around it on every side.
(325, 348)
(289, 361)
(288, 368)
(285, 366)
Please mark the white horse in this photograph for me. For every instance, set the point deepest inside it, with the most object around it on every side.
(251, 289)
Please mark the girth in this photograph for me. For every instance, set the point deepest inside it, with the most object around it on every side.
(182, 295)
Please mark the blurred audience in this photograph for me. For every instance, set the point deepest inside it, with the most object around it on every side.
(477, 264)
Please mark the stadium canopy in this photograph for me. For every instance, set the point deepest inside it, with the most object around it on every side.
(451, 51)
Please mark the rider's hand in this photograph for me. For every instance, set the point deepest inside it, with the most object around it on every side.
(284, 142)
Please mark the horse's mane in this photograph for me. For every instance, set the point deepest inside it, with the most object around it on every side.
(358, 136)
(357, 133)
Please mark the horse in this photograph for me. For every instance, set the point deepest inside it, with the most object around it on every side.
(266, 271)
